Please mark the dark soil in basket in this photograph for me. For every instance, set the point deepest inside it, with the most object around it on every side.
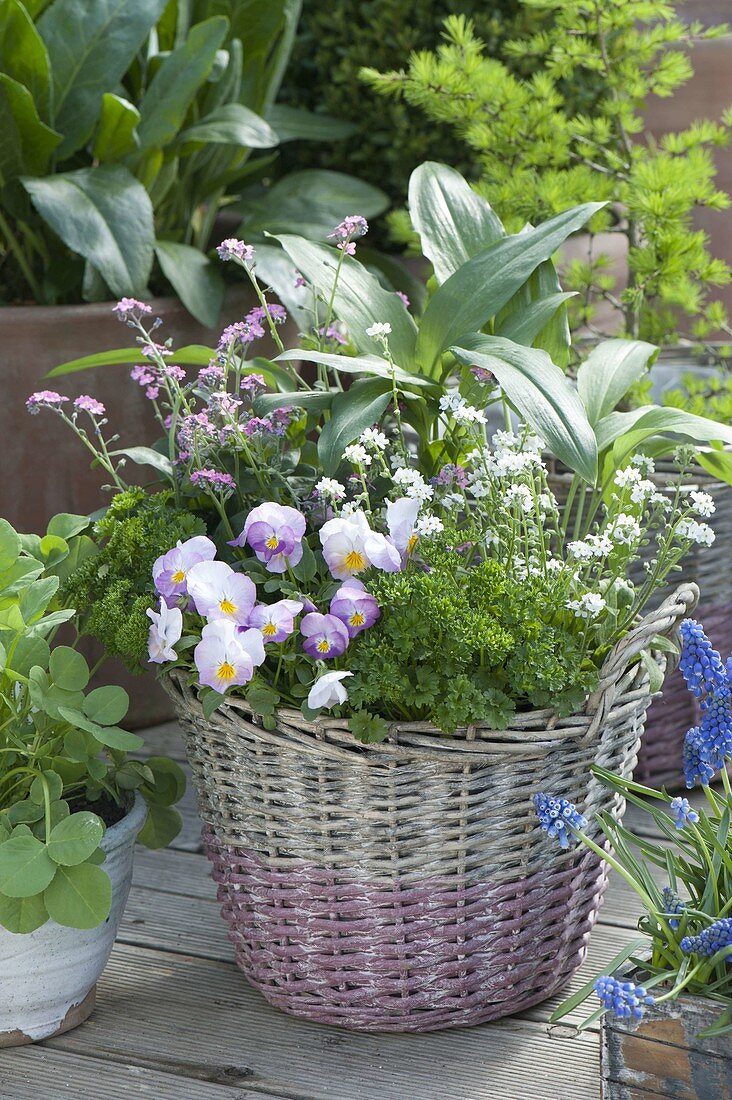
(104, 807)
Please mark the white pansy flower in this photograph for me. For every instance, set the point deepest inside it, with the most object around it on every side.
(328, 691)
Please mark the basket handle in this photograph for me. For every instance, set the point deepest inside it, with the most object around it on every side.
(664, 620)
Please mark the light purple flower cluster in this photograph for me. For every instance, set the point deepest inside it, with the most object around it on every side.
(713, 939)
(558, 817)
(87, 404)
(252, 384)
(450, 475)
(626, 999)
(130, 310)
(683, 812)
(211, 377)
(213, 479)
(347, 232)
(483, 375)
(277, 313)
(233, 249)
(44, 399)
(333, 333)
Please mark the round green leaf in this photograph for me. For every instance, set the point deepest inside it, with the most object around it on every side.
(22, 915)
(106, 705)
(75, 838)
(25, 866)
(68, 669)
(162, 825)
(79, 897)
(9, 544)
(53, 785)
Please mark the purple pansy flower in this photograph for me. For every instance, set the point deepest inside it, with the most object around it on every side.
(166, 628)
(355, 607)
(170, 571)
(226, 657)
(220, 593)
(275, 620)
(350, 546)
(401, 519)
(275, 534)
(325, 636)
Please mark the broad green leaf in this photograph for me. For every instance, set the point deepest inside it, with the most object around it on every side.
(311, 203)
(26, 143)
(51, 783)
(481, 287)
(169, 780)
(231, 124)
(146, 456)
(90, 45)
(196, 281)
(524, 325)
(310, 400)
(115, 135)
(171, 91)
(22, 915)
(79, 897)
(351, 413)
(36, 598)
(53, 549)
(297, 124)
(23, 54)
(25, 866)
(356, 364)
(9, 545)
(107, 705)
(195, 355)
(65, 525)
(360, 300)
(162, 825)
(614, 425)
(716, 463)
(29, 652)
(541, 394)
(660, 421)
(82, 548)
(453, 222)
(609, 371)
(68, 669)
(75, 838)
(105, 215)
(111, 736)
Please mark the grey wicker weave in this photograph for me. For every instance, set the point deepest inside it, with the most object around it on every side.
(407, 885)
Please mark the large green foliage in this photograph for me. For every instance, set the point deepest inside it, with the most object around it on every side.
(127, 126)
(64, 769)
(540, 154)
(334, 40)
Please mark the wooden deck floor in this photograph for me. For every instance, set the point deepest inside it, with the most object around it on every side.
(175, 1019)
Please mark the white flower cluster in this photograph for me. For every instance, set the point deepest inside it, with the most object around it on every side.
(594, 546)
(642, 491)
(413, 484)
(379, 328)
(374, 439)
(330, 490)
(357, 454)
(429, 525)
(703, 503)
(520, 495)
(700, 533)
(588, 606)
(625, 529)
(461, 412)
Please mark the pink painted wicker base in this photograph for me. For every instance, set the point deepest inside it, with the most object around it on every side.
(385, 957)
(676, 711)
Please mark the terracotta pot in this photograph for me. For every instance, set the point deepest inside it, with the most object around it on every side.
(50, 975)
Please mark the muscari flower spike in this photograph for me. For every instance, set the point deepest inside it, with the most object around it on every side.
(626, 999)
(700, 664)
(713, 939)
(557, 816)
(672, 906)
(683, 812)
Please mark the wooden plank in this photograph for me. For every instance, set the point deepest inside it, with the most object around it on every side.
(37, 1073)
(171, 871)
(200, 1019)
(164, 740)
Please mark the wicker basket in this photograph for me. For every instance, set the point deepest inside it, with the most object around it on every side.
(407, 886)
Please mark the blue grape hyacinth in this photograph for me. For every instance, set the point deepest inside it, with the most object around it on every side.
(700, 664)
(682, 812)
(626, 999)
(557, 817)
(711, 940)
(673, 906)
(696, 765)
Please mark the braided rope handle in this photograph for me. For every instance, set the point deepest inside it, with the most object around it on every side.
(663, 621)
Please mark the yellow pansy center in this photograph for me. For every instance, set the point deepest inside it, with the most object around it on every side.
(269, 629)
(354, 561)
(227, 607)
(323, 646)
(357, 619)
(179, 576)
(272, 542)
(413, 540)
(226, 671)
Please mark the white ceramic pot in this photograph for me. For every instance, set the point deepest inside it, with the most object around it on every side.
(48, 977)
